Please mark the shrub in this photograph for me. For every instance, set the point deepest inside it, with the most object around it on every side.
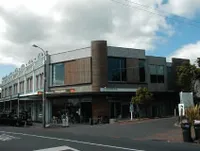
(193, 113)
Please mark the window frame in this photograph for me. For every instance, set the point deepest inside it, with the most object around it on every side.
(120, 68)
(53, 83)
(140, 79)
(160, 78)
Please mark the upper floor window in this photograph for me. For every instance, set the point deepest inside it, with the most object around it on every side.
(142, 70)
(10, 90)
(156, 73)
(116, 69)
(21, 87)
(15, 88)
(2, 95)
(58, 74)
(41, 80)
(29, 84)
(37, 82)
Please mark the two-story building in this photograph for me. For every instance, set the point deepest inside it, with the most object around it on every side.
(98, 80)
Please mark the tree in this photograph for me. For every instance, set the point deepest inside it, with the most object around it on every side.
(186, 74)
(198, 62)
(142, 97)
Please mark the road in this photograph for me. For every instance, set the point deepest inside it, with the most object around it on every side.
(113, 137)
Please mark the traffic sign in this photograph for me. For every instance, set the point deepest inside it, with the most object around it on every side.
(181, 109)
(131, 107)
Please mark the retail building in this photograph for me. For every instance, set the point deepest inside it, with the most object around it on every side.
(95, 81)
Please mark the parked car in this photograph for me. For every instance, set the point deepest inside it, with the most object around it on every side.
(10, 119)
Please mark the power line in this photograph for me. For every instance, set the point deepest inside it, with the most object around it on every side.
(155, 13)
(156, 9)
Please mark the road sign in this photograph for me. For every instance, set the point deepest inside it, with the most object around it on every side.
(5, 137)
(59, 148)
(181, 109)
(131, 107)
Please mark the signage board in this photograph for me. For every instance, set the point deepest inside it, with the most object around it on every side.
(118, 89)
(186, 98)
(181, 109)
(131, 107)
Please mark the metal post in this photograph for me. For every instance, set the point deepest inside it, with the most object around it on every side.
(44, 93)
(44, 85)
(18, 105)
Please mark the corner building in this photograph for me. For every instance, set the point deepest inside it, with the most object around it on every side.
(98, 81)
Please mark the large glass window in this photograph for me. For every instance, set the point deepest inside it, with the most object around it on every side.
(58, 74)
(116, 69)
(142, 70)
(156, 73)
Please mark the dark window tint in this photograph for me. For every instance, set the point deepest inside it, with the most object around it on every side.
(153, 78)
(142, 70)
(116, 69)
(160, 78)
(157, 73)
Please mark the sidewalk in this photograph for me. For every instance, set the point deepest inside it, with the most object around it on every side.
(135, 121)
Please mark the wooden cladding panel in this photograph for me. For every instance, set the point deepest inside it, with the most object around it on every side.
(78, 71)
(132, 65)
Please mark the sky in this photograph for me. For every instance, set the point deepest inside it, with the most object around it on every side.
(168, 28)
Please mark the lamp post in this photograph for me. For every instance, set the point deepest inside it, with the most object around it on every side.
(44, 85)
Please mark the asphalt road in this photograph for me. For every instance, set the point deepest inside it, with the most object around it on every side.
(69, 139)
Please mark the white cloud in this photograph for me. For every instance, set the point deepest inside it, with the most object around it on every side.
(60, 25)
(185, 8)
(189, 51)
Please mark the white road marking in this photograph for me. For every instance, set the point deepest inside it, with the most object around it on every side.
(60, 148)
(73, 141)
(4, 137)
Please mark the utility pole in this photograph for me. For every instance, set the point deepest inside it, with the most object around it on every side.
(45, 53)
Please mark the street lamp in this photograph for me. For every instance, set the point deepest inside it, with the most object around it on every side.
(44, 85)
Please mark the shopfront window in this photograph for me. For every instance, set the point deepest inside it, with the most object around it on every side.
(116, 69)
(58, 74)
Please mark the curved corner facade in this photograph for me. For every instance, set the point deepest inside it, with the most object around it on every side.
(99, 65)
(91, 82)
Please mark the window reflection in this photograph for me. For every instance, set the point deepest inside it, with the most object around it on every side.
(58, 74)
(116, 69)
(156, 73)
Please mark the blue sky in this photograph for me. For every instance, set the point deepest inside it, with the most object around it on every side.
(64, 25)
(184, 34)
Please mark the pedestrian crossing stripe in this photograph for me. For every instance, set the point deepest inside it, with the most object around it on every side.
(4, 137)
(59, 148)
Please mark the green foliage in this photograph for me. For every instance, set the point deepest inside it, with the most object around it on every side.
(186, 73)
(143, 96)
(198, 62)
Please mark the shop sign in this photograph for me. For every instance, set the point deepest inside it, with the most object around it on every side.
(65, 90)
(39, 92)
(118, 89)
